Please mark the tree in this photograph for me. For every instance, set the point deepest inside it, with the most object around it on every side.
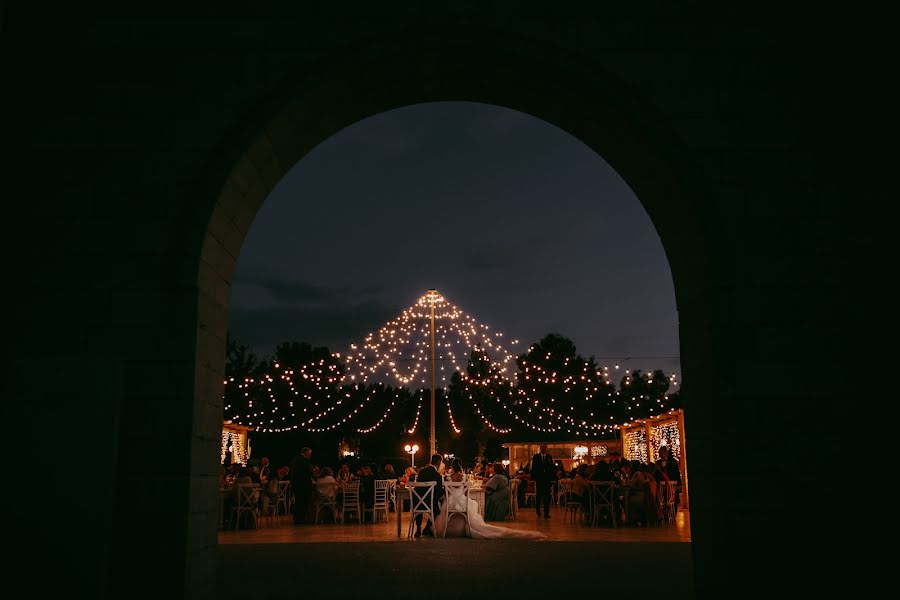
(644, 394)
(561, 389)
(240, 361)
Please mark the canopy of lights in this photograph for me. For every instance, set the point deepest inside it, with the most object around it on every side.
(494, 383)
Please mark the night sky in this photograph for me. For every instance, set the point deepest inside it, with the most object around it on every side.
(513, 220)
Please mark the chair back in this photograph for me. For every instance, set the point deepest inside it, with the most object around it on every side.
(603, 498)
(565, 486)
(350, 499)
(282, 499)
(421, 501)
(380, 499)
(326, 498)
(666, 491)
(457, 502)
(422, 497)
(247, 501)
(513, 499)
(247, 495)
(382, 489)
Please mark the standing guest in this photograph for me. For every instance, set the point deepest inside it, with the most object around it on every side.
(430, 473)
(669, 466)
(543, 472)
(301, 484)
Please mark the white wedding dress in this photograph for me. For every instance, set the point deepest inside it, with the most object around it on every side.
(478, 529)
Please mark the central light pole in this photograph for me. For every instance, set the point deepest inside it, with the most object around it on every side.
(432, 295)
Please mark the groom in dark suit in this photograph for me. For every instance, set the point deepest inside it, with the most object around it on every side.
(430, 473)
(543, 472)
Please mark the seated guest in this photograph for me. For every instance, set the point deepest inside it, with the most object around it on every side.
(488, 472)
(327, 477)
(615, 462)
(641, 501)
(408, 475)
(581, 488)
(456, 472)
(496, 495)
(602, 472)
(326, 487)
(270, 491)
(345, 475)
(234, 471)
(387, 472)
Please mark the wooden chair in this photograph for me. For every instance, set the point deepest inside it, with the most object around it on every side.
(380, 505)
(666, 492)
(326, 499)
(283, 500)
(564, 487)
(573, 508)
(513, 512)
(421, 502)
(456, 501)
(603, 499)
(246, 503)
(267, 511)
(350, 501)
(530, 492)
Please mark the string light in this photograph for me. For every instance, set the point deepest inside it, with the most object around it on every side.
(399, 354)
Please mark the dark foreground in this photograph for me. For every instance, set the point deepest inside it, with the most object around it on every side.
(456, 568)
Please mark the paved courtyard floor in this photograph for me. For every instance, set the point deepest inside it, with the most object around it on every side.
(371, 561)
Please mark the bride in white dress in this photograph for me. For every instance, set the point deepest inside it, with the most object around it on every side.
(478, 529)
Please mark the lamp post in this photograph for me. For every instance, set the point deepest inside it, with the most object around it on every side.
(432, 296)
(412, 452)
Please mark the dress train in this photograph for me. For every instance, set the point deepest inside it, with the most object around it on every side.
(478, 529)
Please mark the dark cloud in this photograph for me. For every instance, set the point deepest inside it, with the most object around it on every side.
(293, 292)
(335, 326)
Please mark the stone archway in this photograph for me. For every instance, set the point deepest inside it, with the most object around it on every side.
(602, 113)
(139, 143)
